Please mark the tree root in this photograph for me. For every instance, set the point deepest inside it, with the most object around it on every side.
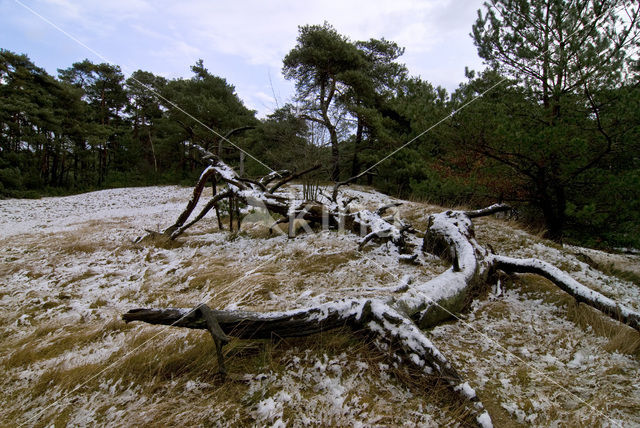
(395, 322)
(572, 287)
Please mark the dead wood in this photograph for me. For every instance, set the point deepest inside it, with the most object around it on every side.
(389, 328)
(237, 130)
(213, 203)
(252, 192)
(380, 211)
(396, 322)
(193, 202)
(493, 209)
(272, 176)
(214, 192)
(337, 185)
(572, 287)
(291, 177)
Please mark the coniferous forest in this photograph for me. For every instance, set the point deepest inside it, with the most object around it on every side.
(551, 126)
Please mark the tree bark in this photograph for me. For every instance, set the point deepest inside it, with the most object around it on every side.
(395, 322)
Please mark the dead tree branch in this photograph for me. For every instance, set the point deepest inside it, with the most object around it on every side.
(493, 209)
(291, 177)
(396, 322)
(572, 287)
(253, 193)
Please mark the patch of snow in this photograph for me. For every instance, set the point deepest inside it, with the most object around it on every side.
(484, 420)
(466, 390)
(577, 361)
(70, 260)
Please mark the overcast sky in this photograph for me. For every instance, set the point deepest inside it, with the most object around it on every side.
(242, 41)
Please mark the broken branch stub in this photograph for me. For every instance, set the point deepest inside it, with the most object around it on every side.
(255, 193)
(397, 321)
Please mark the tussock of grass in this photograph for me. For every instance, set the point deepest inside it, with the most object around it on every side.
(612, 270)
(496, 310)
(622, 339)
(171, 379)
(623, 267)
(79, 277)
(541, 288)
(100, 302)
(158, 240)
(434, 390)
(215, 275)
(625, 341)
(324, 263)
(50, 341)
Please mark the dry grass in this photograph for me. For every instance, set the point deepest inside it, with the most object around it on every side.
(499, 322)
(50, 341)
(156, 362)
(161, 368)
(147, 377)
(157, 240)
(618, 270)
(621, 338)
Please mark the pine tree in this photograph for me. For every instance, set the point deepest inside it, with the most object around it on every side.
(562, 54)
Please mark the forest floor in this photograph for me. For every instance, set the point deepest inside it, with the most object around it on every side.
(69, 269)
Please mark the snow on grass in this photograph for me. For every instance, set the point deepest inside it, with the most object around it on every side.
(525, 357)
(516, 243)
(338, 390)
(69, 269)
(24, 216)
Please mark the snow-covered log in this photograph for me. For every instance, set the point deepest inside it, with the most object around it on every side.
(396, 322)
(449, 235)
(257, 325)
(578, 291)
(493, 209)
(390, 329)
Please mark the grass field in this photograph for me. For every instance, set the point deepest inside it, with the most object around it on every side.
(69, 269)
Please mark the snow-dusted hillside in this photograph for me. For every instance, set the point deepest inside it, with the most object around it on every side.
(69, 269)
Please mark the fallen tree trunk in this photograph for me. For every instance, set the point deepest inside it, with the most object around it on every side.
(389, 328)
(257, 325)
(255, 193)
(391, 322)
(395, 322)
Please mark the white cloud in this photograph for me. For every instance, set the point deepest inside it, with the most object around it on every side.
(263, 32)
(92, 10)
(264, 97)
(255, 34)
